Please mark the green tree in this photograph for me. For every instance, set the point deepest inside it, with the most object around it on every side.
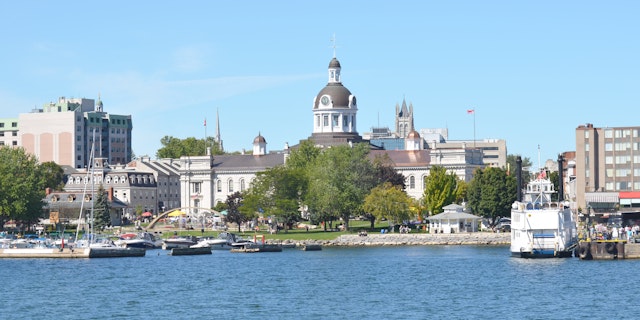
(511, 166)
(440, 189)
(554, 177)
(491, 193)
(385, 171)
(175, 148)
(52, 174)
(21, 186)
(388, 201)
(461, 191)
(304, 155)
(234, 212)
(277, 191)
(101, 209)
(339, 180)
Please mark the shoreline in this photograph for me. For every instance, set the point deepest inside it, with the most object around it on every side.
(417, 239)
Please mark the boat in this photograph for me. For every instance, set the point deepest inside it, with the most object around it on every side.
(143, 240)
(541, 228)
(179, 242)
(224, 241)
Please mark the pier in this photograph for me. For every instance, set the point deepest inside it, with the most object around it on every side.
(607, 250)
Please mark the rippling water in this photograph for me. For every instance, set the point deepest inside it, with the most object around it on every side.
(417, 282)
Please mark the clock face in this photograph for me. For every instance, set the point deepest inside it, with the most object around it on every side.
(325, 100)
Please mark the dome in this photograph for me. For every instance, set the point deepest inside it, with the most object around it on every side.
(413, 135)
(259, 139)
(334, 63)
(337, 92)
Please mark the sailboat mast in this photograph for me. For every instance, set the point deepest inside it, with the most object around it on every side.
(91, 160)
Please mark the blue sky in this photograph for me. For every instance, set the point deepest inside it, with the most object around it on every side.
(532, 70)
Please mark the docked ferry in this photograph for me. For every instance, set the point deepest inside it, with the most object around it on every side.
(541, 228)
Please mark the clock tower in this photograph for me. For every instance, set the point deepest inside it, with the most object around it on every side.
(334, 112)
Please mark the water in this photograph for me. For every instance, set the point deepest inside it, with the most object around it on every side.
(417, 282)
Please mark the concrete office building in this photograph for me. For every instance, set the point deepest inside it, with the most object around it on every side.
(63, 132)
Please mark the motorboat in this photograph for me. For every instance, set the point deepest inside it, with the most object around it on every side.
(179, 242)
(144, 240)
(541, 228)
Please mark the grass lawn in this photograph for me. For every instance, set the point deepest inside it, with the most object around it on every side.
(294, 234)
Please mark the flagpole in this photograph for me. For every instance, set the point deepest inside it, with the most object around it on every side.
(473, 111)
(205, 136)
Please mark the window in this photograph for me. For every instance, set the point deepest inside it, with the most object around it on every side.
(609, 173)
(1, 133)
(608, 133)
(196, 186)
(336, 118)
(586, 134)
(608, 160)
(242, 185)
(608, 147)
(14, 124)
(230, 185)
(14, 133)
(325, 120)
(14, 143)
(317, 121)
(412, 182)
(345, 122)
(219, 187)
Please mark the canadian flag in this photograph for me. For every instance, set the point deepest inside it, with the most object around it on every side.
(205, 122)
(542, 174)
(470, 111)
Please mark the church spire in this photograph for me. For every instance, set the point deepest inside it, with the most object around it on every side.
(217, 138)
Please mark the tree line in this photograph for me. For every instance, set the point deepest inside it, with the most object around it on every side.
(323, 186)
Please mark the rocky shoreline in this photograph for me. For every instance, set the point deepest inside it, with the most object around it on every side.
(417, 239)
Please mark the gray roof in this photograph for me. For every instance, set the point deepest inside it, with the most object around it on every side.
(338, 93)
(453, 216)
(247, 162)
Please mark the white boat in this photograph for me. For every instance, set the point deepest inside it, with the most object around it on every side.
(144, 240)
(224, 241)
(541, 228)
(178, 242)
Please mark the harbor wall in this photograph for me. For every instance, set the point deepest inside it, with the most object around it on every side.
(417, 239)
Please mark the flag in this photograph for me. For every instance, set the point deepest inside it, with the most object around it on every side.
(470, 111)
(205, 122)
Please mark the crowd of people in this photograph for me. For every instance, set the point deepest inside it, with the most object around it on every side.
(602, 232)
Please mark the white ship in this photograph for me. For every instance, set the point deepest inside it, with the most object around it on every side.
(541, 228)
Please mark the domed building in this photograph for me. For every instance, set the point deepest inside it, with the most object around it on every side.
(334, 112)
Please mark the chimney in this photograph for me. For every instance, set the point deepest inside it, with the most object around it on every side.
(519, 178)
(560, 179)
(110, 194)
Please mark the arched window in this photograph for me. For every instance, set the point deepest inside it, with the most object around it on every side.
(412, 182)
(107, 179)
(241, 185)
(230, 183)
(219, 186)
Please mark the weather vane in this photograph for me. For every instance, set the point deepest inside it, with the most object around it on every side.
(333, 45)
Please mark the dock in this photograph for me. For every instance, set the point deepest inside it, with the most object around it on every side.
(607, 250)
(68, 253)
(190, 251)
(312, 247)
(254, 248)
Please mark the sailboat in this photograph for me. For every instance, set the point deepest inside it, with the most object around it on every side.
(101, 248)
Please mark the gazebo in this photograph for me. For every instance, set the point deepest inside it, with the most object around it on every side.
(453, 220)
